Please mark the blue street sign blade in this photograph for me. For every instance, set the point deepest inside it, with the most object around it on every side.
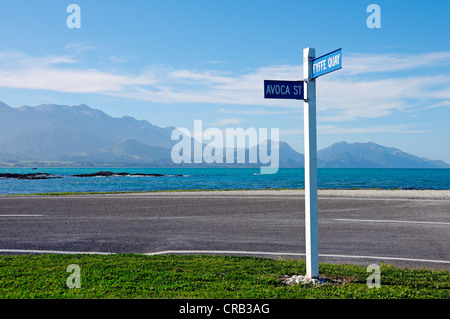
(283, 90)
(327, 63)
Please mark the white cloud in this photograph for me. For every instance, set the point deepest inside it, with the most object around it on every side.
(211, 76)
(396, 128)
(59, 73)
(258, 112)
(13, 60)
(72, 81)
(78, 47)
(440, 104)
(299, 131)
(343, 96)
(377, 98)
(210, 86)
(116, 59)
(227, 121)
(373, 63)
(216, 62)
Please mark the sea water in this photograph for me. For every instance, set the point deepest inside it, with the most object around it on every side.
(220, 178)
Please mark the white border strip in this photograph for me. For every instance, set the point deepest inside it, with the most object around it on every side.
(20, 215)
(390, 221)
(168, 252)
(231, 252)
(389, 258)
(26, 251)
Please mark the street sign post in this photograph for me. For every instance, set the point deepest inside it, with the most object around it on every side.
(312, 68)
(310, 138)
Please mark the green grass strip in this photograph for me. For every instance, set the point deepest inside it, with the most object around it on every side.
(131, 276)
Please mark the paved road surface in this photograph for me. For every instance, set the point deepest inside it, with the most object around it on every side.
(401, 232)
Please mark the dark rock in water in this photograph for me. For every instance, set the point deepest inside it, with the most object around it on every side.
(109, 174)
(101, 173)
(28, 176)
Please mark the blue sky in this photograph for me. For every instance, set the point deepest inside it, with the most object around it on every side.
(173, 62)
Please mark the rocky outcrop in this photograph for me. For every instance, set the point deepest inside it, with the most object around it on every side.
(29, 176)
(111, 174)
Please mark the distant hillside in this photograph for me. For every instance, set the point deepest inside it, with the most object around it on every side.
(86, 136)
(81, 135)
(50, 131)
(371, 155)
(131, 152)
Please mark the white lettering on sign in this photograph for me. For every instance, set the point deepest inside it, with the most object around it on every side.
(319, 66)
(297, 89)
(278, 89)
(323, 65)
(334, 60)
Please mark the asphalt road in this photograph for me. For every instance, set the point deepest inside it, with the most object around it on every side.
(401, 232)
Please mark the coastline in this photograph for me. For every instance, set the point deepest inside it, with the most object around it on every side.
(334, 193)
(321, 193)
(134, 180)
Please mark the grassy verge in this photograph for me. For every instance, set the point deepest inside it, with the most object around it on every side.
(207, 277)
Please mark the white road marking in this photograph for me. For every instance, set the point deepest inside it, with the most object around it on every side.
(20, 215)
(26, 251)
(389, 258)
(290, 254)
(168, 252)
(231, 252)
(390, 221)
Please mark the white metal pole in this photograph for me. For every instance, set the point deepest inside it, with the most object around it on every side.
(311, 225)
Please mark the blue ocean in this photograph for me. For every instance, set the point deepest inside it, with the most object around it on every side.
(218, 178)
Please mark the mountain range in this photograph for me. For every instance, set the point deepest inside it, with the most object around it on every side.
(80, 135)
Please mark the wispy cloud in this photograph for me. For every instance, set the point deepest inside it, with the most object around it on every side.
(227, 121)
(440, 104)
(78, 47)
(374, 63)
(13, 60)
(216, 62)
(343, 96)
(211, 86)
(259, 111)
(350, 99)
(116, 59)
(396, 128)
(299, 131)
(59, 73)
(75, 81)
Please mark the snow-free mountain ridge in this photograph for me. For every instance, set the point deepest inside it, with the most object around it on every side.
(85, 136)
